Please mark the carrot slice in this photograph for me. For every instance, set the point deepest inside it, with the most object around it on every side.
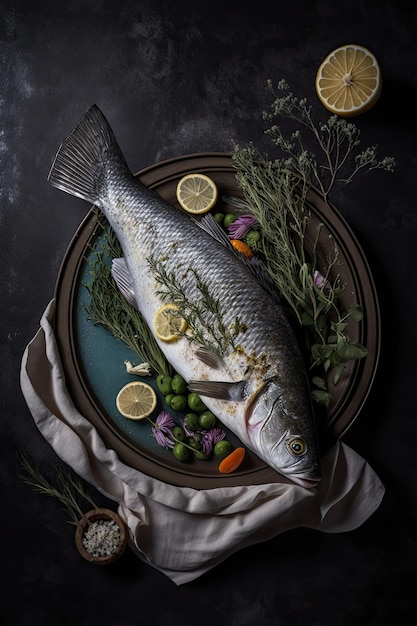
(232, 461)
(243, 247)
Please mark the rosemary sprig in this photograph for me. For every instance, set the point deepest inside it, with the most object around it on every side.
(109, 308)
(69, 487)
(272, 197)
(204, 314)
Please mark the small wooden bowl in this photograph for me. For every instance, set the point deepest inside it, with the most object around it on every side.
(93, 516)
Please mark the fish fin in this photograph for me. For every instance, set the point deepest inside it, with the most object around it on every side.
(213, 228)
(255, 265)
(208, 357)
(122, 278)
(238, 203)
(82, 158)
(219, 390)
(261, 274)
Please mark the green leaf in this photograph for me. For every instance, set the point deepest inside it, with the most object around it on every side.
(319, 382)
(355, 312)
(307, 319)
(321, 397)
(338, 327)
(321, 322)
(320, 351)
(337, 373)
(352, 350)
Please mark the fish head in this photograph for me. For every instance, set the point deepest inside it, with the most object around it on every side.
(283, 427)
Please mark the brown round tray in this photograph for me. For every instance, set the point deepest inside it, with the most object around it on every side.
(348, 397)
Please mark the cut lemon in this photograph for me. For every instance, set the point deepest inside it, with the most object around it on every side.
(136, 400)
(197, 193)
(168, 324)
(349, 81)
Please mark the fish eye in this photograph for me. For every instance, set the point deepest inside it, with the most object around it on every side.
(296, 446)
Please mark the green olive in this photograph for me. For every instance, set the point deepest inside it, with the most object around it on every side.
(181, 452)
(168, 398)
(252, 237)
(164, 384)
(222, 448)
(195, 403)
(202, 456)
(178, 384)
(192, 422)
(207, 420)
(178, 402)
(229, 218)
(193, 443)
(219, 218)
(179, 433)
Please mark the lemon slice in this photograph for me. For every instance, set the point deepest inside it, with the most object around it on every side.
(197, 193)
(168, 324)
(349, 81)
(136, 400)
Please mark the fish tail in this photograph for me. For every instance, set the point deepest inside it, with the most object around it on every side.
(81, 162)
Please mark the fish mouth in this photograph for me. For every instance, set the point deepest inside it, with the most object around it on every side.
(305, 479)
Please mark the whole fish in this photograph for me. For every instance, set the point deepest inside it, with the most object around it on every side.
(241, 354)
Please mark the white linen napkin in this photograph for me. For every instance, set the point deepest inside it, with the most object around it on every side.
(219, 521)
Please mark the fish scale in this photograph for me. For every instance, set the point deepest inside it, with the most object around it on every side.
(256, 383)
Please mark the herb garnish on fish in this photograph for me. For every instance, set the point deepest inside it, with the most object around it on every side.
(204, 314)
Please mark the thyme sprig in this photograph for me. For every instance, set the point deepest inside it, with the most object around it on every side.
(69, 488)
(204, 314)
(109, 308)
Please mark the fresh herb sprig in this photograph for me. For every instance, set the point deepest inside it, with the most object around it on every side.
(275, 193)
(69, 488)
(204, 314)
(109, 308)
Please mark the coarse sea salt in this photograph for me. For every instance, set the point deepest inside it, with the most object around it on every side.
(102, 538)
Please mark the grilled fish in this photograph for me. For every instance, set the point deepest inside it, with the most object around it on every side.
(241, 355)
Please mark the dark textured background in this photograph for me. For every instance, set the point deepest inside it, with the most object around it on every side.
(175, 78)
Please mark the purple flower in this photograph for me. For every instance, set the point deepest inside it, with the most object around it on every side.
(162, 430)
(320, 281)
(188, 431)
(211, 437)
(239, 228)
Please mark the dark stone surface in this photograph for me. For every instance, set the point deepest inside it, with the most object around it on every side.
(175, 78)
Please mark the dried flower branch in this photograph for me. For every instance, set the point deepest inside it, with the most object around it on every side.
(336, 140)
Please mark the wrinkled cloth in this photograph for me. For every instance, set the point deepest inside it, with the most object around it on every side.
(219, 521)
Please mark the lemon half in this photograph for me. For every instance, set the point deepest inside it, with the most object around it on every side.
(136, 400)
(349, 81)
(196, 193)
